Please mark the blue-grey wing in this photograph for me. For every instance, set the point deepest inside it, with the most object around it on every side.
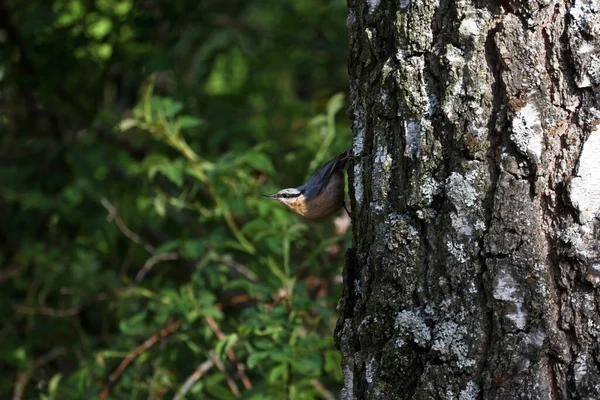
(316, 183)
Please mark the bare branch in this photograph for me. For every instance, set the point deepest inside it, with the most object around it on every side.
(241, 371)
(113, 214)
(221, 367)
(192, 379)
(112, 379)
(152, 261)
(23, 377)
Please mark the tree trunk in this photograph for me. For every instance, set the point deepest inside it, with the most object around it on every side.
(475, 189)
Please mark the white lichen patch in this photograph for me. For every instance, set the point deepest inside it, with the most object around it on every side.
(351, 19)
(456, 62)
(469, 28)
(527, 132)
(413, 138)
(410, 322)
(506, 289)
(348, 389)
(585, 187)
(429, 187)
(382, 165)
(519, 318)
(373, 4)
(457, 250)
(358, 186)
(580, 367)
(359, 127)
(370, 369)
(464, 192)
(581, 238)
(471, 392)
(594, 69)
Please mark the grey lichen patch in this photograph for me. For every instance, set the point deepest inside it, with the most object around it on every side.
(466, 192)
(411, 323)
(594, 69)
(413, 99)
(382, 164)
(450, 345)
(359, 122)
(399, 232)
(413, 138)
(513, 218)
(455, 61)
(420, 34)
(402, 244)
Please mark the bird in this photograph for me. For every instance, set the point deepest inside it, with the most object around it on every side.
(323, 193)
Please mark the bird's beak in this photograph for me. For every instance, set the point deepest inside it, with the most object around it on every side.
(271, 196)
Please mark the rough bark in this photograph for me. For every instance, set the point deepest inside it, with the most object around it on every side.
(475, 189)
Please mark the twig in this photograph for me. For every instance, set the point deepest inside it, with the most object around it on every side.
(113, 214)
(241, 373)
(152, 261)
(47, 311)
(23, 377)
(8, 274)
(192, 379)
(221, 367)
(112, 379)
(322, 389)
(242, 269)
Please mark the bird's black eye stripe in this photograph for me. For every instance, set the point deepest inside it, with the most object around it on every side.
(288, 195)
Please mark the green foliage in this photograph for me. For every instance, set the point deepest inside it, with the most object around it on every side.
(137, 139)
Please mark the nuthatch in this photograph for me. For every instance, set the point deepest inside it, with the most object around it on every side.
(322, 195)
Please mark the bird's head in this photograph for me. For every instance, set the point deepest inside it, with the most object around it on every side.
(292, 198)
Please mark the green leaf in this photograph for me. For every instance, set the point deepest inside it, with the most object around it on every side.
(53, 385)
(335, 103)
(225, 344)
(159, 206)
(100, 28)
(186, 121)
(260, 162)
(333, 360)
(279, 373)
(255, 358)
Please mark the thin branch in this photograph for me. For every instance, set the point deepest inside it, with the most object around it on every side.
(8, 274)
(113, 214)
(47, 311)
(241, 268)
(192, 379)
(23, 377)
(221, 367)
(152, 261)
(322, 389)
(112, 379)
(240, 369)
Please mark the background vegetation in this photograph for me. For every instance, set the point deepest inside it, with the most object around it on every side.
(137, 136)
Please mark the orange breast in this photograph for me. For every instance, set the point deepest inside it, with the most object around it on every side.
(328, 202)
